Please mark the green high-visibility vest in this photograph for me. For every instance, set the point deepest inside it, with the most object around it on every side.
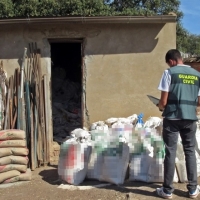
(183, 93)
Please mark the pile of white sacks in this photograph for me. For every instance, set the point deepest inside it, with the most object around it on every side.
(117, 149)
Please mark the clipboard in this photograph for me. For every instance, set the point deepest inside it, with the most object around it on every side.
(154, 100)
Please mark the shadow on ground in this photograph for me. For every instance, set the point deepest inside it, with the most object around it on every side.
(50, 175)
(128, 188)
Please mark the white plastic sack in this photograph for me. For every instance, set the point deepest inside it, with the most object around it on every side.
(181, 170)
(176, 179)
(133, 118)
(179, 152)
(114, 167)
(148, 169)
(129, 120)
(100, 141)
(124, 121)
(139, 166)
(156, 123)
(198, 141)
(81, 134)
(103, 127)
(108, 150)
(122, 130)
(181, 167)
(95, 164)
(111, 121)
(156, 172)
(198, 164)
(73, 162)
(99, 126)
(153, 122)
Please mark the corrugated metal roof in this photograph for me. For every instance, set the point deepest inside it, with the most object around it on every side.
(191, 60)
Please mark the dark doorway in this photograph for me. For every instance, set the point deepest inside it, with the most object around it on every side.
(66, 73)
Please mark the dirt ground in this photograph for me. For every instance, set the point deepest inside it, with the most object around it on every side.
(45, 182)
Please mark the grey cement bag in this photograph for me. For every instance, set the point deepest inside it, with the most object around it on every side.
(5, 168)
(12, 134)
(27, 176)
(13, 151)
(22, 160)
(13, 143)
(7, 175)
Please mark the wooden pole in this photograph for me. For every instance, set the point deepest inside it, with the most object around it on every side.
(22, 73)
(7, 110)
(48, 136)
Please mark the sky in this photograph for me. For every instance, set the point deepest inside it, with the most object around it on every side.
(191, 19)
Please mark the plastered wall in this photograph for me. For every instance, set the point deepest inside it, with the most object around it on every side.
(122, 63)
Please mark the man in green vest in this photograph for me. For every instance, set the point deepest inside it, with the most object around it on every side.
(180, 96)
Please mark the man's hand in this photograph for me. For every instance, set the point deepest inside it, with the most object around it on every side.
(163, 101)
(159, 108)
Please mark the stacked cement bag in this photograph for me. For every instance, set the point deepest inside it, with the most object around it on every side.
(74, 156)
(13, 156)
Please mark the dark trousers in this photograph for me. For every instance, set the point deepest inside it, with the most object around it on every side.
(187, 131)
